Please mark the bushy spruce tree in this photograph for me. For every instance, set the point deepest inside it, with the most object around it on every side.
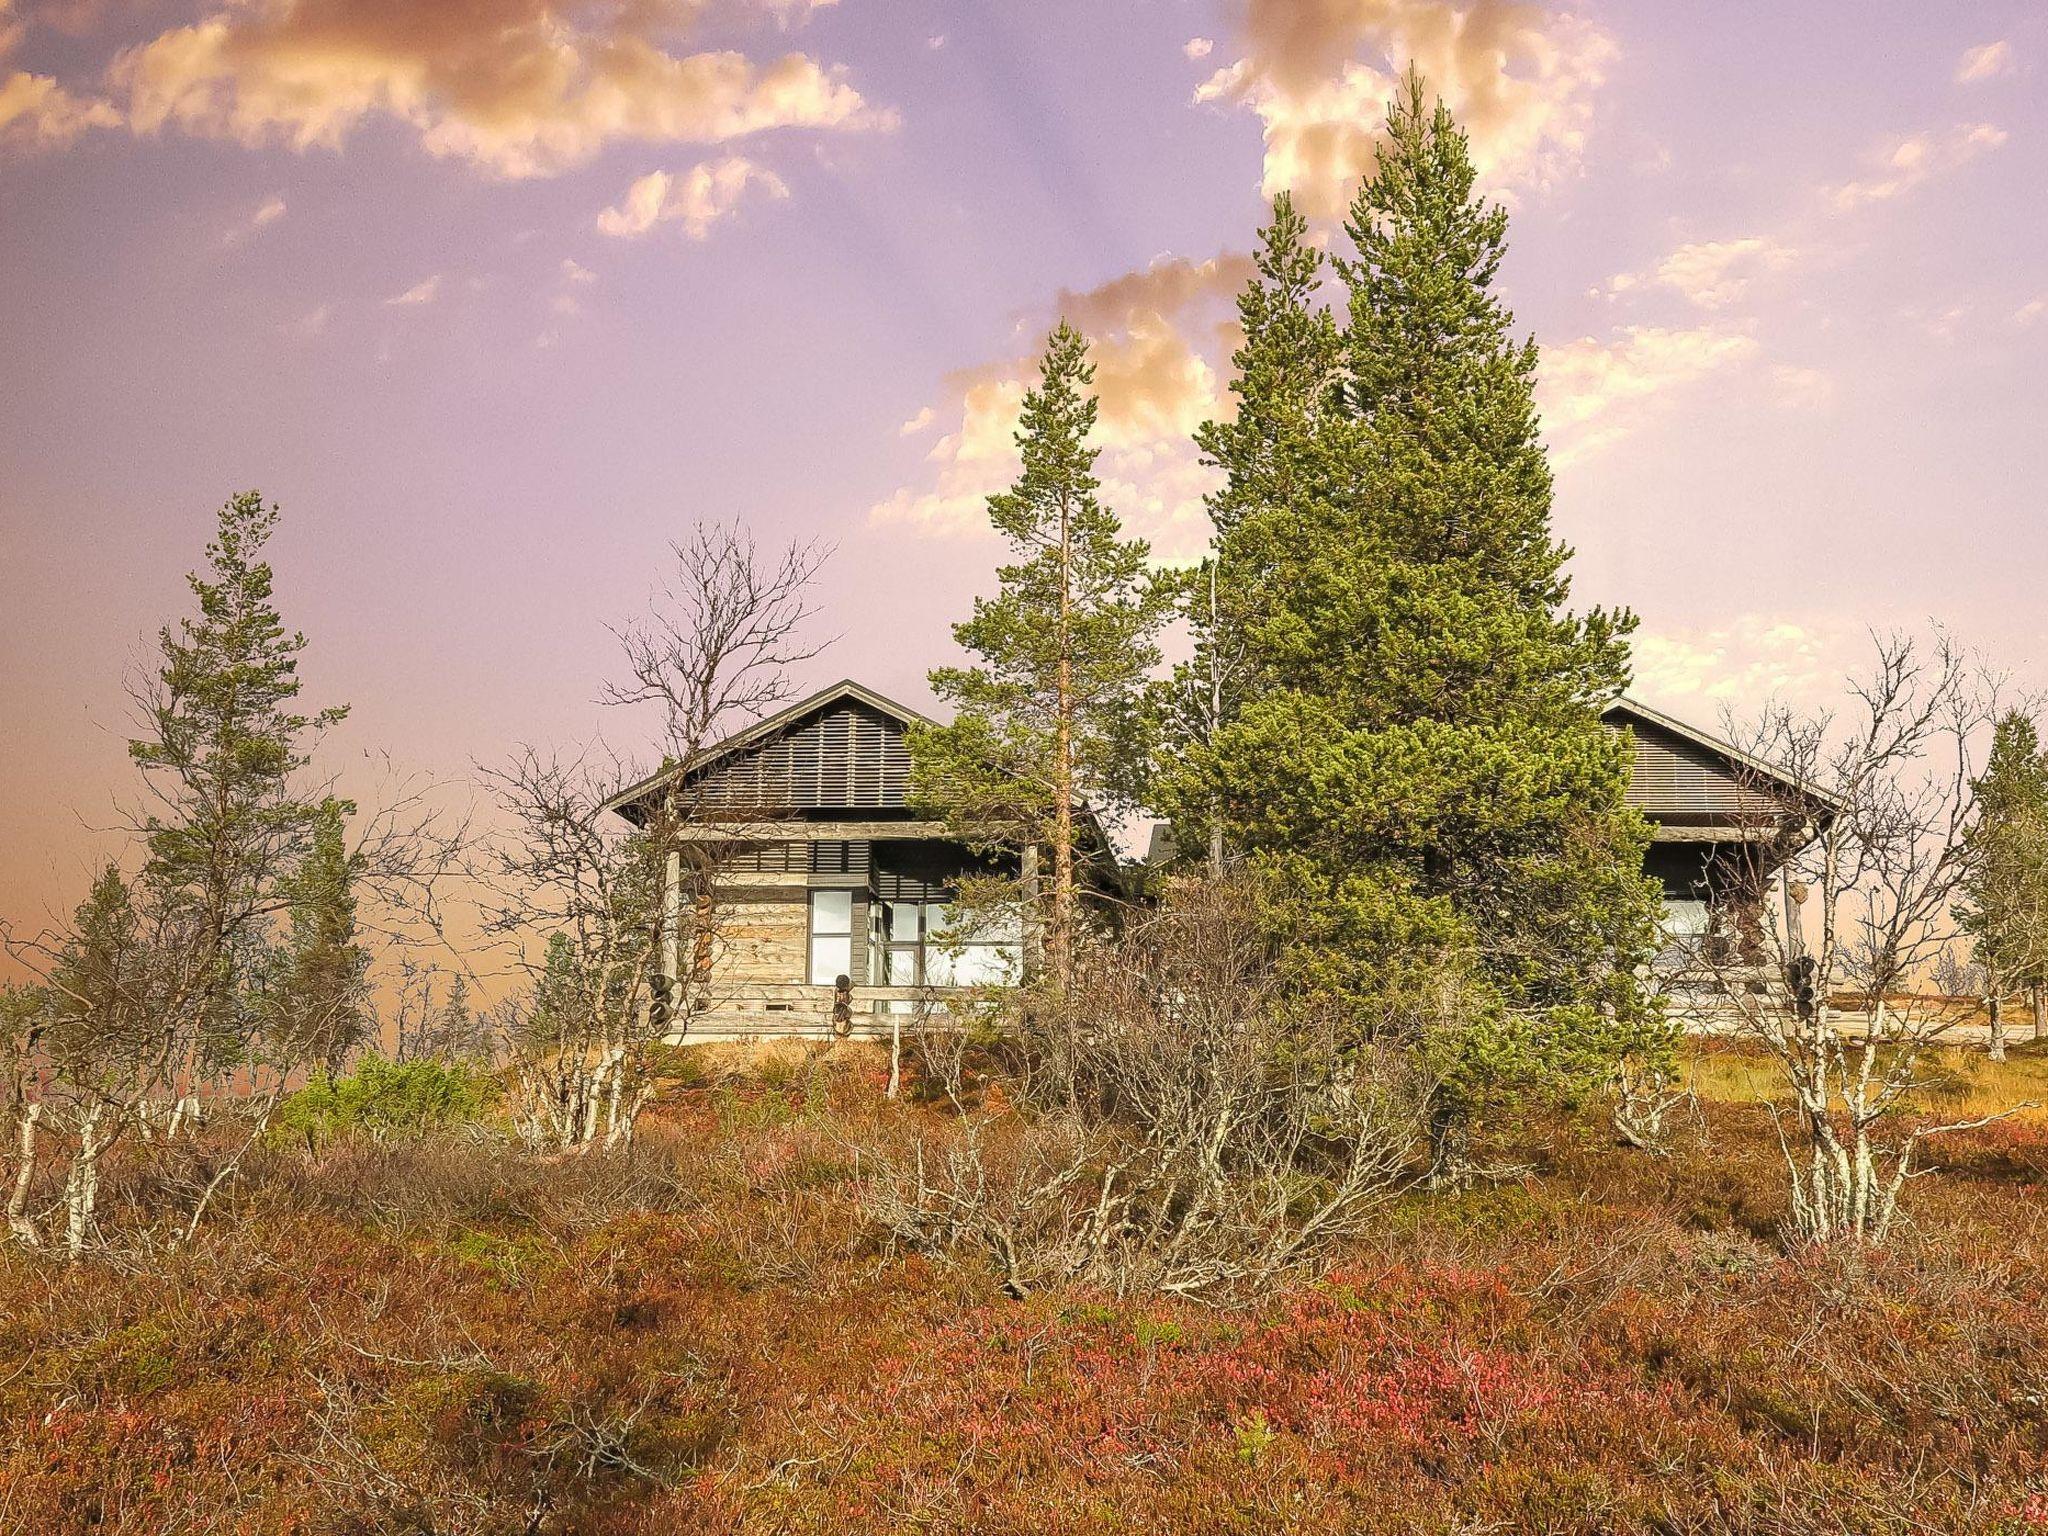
(1420, 760)
(318, 1000)
(1046, 717)
(2005, 888)
(1278, 451)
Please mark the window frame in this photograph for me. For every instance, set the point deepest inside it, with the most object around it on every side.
(813, 933)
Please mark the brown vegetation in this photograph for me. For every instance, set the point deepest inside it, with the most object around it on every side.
(445, 1334)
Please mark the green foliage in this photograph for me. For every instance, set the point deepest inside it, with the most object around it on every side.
(1075, 615)
(384, 1098)
(222, 749)
(2005, 889)
(1280, 450)
(224, 739)
(1050, 713)
(318, 997)
(1418, 757)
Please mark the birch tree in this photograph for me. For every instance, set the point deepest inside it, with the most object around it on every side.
(1870, 852)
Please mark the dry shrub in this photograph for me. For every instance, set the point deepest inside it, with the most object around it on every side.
(1166, 1124)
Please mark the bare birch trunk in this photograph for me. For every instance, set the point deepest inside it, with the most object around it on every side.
(1997, 1007)
(82, 1181)
(19, 1226)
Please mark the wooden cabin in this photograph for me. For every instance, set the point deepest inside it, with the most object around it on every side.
(1723, 823)
(822, 870)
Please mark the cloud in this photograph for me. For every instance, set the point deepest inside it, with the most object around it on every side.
(1318, 74)
(35, 111)
(698, 198)
(2029, 312)
(1156, 335)
(1595, 391)
(516, 87)
(425, 291)
(1914, 160)
(1752, 659)
(267, 213)
(573, 271)
(1198, 47)
(312, 323)
(1802, 388)
(1985, 62)
(1711, 274)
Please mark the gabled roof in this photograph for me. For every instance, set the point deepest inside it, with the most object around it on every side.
(761, 730)
(1632, 709)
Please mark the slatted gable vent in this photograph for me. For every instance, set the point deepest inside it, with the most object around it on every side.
(1676, 777)
(845, 756)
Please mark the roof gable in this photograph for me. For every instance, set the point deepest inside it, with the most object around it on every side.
(843, 747)
(1682, 772)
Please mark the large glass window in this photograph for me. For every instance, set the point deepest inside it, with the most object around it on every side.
(929, 944)
(831, 936)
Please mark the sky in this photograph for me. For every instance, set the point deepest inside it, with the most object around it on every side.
(497, 298)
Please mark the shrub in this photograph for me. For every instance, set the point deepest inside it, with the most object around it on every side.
(382, 1098)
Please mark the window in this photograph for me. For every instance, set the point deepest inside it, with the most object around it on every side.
(831, 936)
(926, 943)
(1685, 918)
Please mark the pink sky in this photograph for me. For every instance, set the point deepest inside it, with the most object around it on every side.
(496, 299)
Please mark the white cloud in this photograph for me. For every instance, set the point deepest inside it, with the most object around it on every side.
(1915, 159)
(573, 271)
(38, 113)
(1752, 659)
(1198, 47)
(1802, 388)
(1984, 62)
(517, 87)
(1595, 391)
(313, 322)
(1711, 274)
(267, 213)
(425, 291)
(698, 198)
(1318, 73)
(2030, 312)
(1155, 338)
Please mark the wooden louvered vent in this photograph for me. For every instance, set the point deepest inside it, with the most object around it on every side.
(846, 756)
(1676, 777)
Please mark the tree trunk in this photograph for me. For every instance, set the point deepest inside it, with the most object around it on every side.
(82, 1183)
(1450, 1140)
(18, 1223)
(1034, 931)
(1062, 936)
(1997, 1008)
(2039, 1001)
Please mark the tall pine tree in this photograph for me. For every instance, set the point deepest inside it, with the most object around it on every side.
(1422, 764)
(2005, 888)
(1046, 717)
(1277, 451)
(225, 743)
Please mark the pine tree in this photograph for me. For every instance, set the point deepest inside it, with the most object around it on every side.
(1047, 717)
(1278, 452)
(318, 1002)
(224, 747)
(1424, 766)
(2005, 888)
